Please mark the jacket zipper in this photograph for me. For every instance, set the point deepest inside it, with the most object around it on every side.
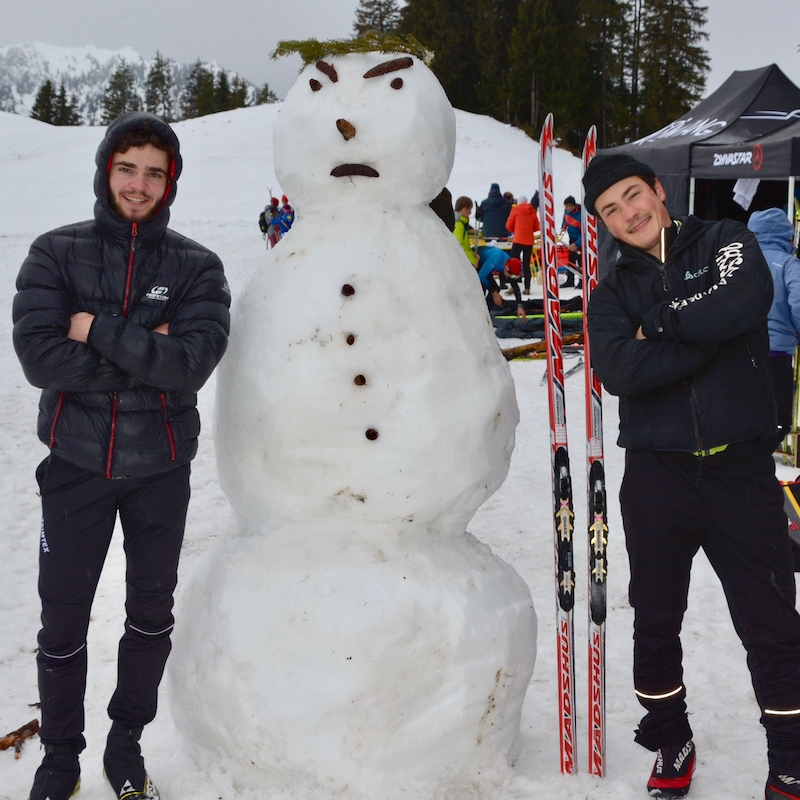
(55, 420)
(171, 438)
(698, 437)
(695, 415)
(125, 302)
(755, 367)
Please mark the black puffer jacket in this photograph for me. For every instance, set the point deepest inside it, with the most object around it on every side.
(125, 404)
(701, 378)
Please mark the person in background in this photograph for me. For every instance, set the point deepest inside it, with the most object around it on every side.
(462, 228)
(679, 332)
(494, 261)
(119, 320)
(775, 235)
(522, 224)
(285, 219)
(442, 206)
(493, 213)
(272, 212)
(571, 224)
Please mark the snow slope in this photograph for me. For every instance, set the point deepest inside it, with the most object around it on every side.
(47, 173)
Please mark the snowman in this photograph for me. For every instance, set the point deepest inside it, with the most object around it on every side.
(352, 636)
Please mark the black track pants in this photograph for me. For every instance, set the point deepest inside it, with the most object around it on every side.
(79, 512)
(730, 505)
(523, 253)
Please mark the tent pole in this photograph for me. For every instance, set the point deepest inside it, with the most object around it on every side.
(691, 196)
(790, 201)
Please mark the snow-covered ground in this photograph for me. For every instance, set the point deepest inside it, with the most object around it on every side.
(46, 174)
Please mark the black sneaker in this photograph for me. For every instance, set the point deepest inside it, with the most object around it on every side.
(672, 772)
(779, 787)
(123, 765)
(59, 776)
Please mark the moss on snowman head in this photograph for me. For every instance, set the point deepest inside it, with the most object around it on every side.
(364, 130)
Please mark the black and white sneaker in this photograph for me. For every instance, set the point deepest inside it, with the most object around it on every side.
(59, 776)
(672, 772)
(779, 787)
(123, 765)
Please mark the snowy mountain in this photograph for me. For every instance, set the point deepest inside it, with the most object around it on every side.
(228, 173)
(85, 72)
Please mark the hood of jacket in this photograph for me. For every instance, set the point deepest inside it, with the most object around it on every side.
(525, 210)
(772, 229)
(110, 223)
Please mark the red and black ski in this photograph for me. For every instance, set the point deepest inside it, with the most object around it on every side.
(596, 495)
(563, 516)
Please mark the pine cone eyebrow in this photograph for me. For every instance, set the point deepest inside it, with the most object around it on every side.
(329, 70)
(389, 66)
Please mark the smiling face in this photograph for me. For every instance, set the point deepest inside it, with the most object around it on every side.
(364, 128)
(137, 182)
(634, 213)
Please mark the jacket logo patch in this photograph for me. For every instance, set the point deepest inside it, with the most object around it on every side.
(729, 259)
(158, 293)
(43, 539)
(690, 275)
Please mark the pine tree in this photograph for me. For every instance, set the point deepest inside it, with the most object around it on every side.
(65, 112)
(376, 15)
(495, 20)
(197, 99)
(265, 95)
(238, 93)
(541, 64)
(120, 96)
(158, 88)
(601, 93)
(447, 29)
(673, 65)
(43, 105)
(222, 92)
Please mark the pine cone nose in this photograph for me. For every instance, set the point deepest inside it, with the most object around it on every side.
(346, 129)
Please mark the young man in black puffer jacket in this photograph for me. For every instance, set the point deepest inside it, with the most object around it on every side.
(120, 321)
(679, 331)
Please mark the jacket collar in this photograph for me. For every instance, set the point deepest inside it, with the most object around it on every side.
(689, 230)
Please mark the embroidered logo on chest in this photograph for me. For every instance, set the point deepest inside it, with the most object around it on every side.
(158, 293)
(690, 275)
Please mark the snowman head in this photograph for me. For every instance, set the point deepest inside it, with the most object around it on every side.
(364, 129)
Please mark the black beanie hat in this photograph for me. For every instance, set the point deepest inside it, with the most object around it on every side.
(604, 171)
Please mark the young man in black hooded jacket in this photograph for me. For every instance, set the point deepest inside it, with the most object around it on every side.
(678, 331)
(120, 321)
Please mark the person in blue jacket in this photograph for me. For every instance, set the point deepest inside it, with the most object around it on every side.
(494, 260)
(775, 233)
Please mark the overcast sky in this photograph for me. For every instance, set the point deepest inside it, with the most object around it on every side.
(240, 34)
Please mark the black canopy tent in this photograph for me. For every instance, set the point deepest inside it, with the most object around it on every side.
(748, 128)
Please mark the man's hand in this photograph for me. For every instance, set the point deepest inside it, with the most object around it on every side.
(639, 334)
(79, 325)
(163, 328)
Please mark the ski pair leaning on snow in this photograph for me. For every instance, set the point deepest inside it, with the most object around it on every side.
(597, 527)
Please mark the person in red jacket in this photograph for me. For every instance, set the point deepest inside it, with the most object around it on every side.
(522, 224)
